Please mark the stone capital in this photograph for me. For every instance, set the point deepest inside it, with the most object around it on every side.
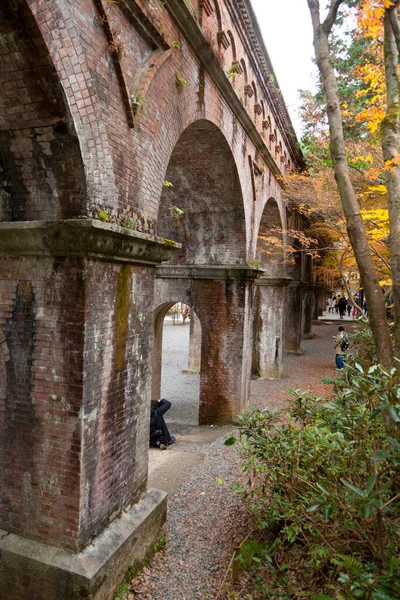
(274, 281)
(212, 272)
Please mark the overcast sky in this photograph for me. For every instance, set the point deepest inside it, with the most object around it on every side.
(287, 32)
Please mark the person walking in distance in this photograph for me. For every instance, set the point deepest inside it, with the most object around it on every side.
(341, 347)
(342, 306)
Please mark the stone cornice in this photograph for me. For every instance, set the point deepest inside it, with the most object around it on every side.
(211, 272)
(181, 14)
(86, 238)
(263, 62)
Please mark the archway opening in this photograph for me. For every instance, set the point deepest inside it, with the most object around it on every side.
(177, 365)
(270, 242)
(41, 170)
(201, 207)
(201, 203)
(269, 298)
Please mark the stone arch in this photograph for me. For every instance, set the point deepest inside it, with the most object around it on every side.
(204, 209)
(42, 174)
(158, 320)
(218, 15)
(244, 68)
(233, 46)
(253, 85)
(269, 298)
(262, 109)
(173, 113)
(271, 240)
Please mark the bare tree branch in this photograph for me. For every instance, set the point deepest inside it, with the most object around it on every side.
(394, 22)
(330, 19)
(385, 262)
(346, 286)
(313, 5)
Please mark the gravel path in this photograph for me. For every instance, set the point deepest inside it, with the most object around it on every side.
(204, 517)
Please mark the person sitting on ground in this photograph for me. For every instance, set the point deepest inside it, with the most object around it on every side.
(159, 434)
(341, 346)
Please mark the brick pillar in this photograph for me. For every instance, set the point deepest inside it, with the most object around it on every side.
(194, 361)
(321, 302)
(222, 297)
(293, 317)
(223, 305)
(268, 328)
(307, 313)
(76, 351)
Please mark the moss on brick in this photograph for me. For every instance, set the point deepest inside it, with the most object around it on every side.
(122, 306)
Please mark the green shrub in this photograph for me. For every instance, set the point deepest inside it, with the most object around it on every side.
(362, 345)
(326, 483)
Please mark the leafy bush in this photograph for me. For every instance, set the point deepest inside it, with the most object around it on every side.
(326, 483)
(362, 345)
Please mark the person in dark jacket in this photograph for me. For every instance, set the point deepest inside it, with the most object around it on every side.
(342, 306)
(159, 434)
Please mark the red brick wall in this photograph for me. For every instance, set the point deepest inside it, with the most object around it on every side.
(220, 306)
(118, 346)
(76, 367)
(42, 322)
(124, 167)
(41, 173)
(76, 334)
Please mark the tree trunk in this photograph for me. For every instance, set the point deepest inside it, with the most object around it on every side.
(354, 222)
(390, 133)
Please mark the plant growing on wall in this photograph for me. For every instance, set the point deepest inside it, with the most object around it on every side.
(180, 82)
(253, 262)
(175, 211)
(129, 224)
(103, 216)
(168, 184)
(137, 102)
(233, 71)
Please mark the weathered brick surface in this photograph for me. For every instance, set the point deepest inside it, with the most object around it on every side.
(118, 345)
(74, 90)
(100, 103)
(222, 307)
(41, 398)
(72, 453)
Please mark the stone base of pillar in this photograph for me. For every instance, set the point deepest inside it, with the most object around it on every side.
(278, 377)
(191, 371)
(307, 336)
(296, 352)
(30, 569)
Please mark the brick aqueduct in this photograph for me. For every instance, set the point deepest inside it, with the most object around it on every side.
(101, 105)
